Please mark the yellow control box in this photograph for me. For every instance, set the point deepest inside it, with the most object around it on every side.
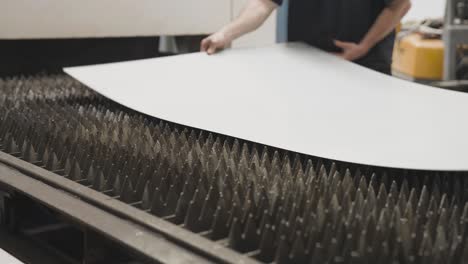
(418, 58)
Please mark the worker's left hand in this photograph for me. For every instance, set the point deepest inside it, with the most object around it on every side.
(351, 51)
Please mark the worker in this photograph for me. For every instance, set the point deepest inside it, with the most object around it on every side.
(362, 31)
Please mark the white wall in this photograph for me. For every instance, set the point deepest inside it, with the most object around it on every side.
(108, 18)
(32, 19)
(423, 9)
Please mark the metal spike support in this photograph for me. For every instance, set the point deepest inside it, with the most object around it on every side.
(268, 204)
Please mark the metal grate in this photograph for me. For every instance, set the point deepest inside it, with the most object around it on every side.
(267, 204)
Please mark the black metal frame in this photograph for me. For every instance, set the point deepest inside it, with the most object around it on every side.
(149, 246)
(140, 232)
(55, 237)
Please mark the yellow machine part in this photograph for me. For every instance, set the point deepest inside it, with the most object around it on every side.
(417, 58)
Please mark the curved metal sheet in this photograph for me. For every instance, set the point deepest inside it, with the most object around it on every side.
(297, 98)
(7, 258)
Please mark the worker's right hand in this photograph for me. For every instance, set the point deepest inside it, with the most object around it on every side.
(214, 43)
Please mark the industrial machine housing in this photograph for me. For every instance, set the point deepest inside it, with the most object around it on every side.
(91, 181)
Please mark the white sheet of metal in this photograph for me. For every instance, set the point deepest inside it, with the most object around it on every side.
(6, 258)
(297, 98)
(30, 19)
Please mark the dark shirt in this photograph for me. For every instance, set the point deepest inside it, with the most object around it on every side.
(319, 22)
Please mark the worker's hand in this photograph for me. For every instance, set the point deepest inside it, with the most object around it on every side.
(215, 42)
(351, 51)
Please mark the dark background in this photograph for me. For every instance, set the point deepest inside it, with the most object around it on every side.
(51, 55)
